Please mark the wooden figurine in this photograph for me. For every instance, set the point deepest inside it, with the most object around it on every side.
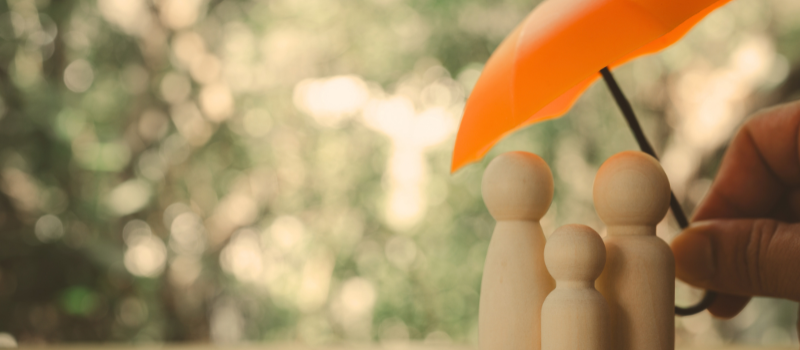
(517, 188)
(632, 195)
(575, 316)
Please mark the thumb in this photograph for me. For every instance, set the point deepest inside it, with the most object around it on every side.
(741, 257)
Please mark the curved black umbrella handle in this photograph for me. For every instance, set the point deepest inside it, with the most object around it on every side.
(641, 139)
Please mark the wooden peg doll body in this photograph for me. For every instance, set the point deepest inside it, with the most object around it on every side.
(517, 188)
(575, 316)
(631, 195)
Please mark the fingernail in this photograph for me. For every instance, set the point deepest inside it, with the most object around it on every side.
(694, 254)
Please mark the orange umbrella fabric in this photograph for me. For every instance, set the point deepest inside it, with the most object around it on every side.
(540, 70)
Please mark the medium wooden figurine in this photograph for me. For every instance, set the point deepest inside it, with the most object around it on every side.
(575, 316)
(517, 189)
(632, 195)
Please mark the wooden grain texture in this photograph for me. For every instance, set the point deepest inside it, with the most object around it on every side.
(517, 189)
(631, 196)
(574, 315)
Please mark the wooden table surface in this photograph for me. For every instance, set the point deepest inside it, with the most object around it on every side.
(309, 347)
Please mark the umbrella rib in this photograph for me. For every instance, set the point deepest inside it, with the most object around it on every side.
(645, 146)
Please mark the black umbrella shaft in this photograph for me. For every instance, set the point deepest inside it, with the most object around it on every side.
(645, 146)
(641, 139)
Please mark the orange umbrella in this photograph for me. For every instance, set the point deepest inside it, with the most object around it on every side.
(539, 71)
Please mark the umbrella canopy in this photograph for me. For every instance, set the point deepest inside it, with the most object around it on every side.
(540, 70)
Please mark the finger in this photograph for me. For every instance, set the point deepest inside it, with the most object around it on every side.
(759, 167)
(741, 257)
(727, 305)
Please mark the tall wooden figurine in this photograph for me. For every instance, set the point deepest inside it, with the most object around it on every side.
(575, 315)
(631, 195)
(517, 189)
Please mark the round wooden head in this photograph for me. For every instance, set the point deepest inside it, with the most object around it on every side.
(631, 188)
(575, 253)
(517, 186)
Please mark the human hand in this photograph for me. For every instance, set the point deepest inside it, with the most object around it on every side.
(745, 236)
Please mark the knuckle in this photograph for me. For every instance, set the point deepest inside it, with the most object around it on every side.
(756, 257)
(784, 262)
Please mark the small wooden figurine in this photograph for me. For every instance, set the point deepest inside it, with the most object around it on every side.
(632, 195)
(517, 188)
(575, 316)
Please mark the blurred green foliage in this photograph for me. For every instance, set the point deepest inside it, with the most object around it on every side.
(277, 170)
